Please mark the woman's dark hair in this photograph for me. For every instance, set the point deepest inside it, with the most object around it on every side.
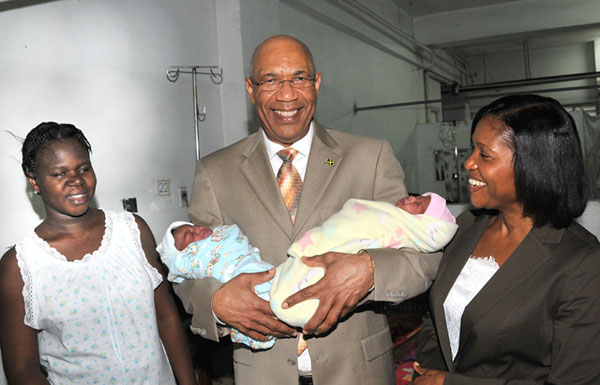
(45, 133)
(548, 163)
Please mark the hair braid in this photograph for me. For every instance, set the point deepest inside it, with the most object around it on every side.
(44, 133)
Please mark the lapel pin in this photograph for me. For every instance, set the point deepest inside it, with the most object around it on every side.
(330, 162)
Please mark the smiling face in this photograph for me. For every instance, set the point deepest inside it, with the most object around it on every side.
(285, 113)
(491, 168)
(64, 178)
(186, 234)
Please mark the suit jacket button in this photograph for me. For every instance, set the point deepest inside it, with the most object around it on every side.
(291, 362)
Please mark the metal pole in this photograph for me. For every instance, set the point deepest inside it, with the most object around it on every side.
(197, 135)
(525, 82)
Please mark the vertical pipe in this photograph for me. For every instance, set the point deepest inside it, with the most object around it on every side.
(526, 56)
(457, 167)
(426, 93)
(197, 136)
(483, 63)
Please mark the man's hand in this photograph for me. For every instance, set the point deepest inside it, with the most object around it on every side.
(237, 305)
(348, 278)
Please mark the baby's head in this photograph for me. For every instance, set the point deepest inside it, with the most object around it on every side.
(414, 205)
(186, 234)
(429, 204)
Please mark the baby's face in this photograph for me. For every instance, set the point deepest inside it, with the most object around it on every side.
(414, 205)
(186, 234)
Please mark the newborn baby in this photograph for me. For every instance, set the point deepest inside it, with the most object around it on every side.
(189, 251)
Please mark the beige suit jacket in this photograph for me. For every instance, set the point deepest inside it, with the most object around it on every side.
(236, 185)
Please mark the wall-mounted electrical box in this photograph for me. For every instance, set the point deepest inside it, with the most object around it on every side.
(130, 204)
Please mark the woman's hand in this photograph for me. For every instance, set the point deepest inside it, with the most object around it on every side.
(428, 376)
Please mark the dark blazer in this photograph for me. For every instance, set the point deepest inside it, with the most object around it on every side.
(537, 321)
(237, 185)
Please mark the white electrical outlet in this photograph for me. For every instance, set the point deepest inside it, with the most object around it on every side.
(183, 197)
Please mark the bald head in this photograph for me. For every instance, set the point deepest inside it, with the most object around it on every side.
(278, 44)
(285, 108)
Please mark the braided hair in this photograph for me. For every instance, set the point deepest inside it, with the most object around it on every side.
(45, 133)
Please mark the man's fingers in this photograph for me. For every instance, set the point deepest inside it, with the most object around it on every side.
(237, 305)
(317, 319)
(264, 276)
(257, 332)
(302, 295)
(332, 318)
(258, 278)
(261, 326)
(316, 261)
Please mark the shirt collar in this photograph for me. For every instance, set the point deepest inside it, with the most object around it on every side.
(302, 145)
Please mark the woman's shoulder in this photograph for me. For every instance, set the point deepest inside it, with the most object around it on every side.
(583, 234)
(9, 270)
(9, 258)
(576, 240)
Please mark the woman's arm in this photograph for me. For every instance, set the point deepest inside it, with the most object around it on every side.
(169, 323)
(576, 330)
(18, 342)
(429, 354)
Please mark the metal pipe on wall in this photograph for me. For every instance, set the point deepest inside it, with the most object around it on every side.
(466, 98)
(526, 57)
(523, 82)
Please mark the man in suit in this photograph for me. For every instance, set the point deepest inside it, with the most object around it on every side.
(348, 338)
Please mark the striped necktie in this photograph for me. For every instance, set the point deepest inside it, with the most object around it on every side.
(289, 181)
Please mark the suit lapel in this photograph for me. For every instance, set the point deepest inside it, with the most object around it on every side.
(465, 246)
(318, 175)
(255, 167)
(526, 260)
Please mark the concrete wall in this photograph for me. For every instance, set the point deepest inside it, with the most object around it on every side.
(101, 65)
(508, 63)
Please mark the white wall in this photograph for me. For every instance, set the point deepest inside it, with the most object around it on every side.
(356, 72)
(101, 65)
(508, 63)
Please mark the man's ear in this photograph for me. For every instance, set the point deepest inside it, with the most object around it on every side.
(317, 82)
(250, 89)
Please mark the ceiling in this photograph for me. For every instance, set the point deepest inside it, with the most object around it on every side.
(416, 8)
(469, 27)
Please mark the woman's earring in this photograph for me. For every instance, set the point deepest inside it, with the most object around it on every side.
(36, 192)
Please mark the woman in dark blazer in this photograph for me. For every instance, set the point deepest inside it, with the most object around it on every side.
(517, 295)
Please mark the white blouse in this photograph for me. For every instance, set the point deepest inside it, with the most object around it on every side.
(473, 277)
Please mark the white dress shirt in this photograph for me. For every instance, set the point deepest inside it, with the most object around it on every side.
(300, 162)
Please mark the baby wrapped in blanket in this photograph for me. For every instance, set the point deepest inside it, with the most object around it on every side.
(423, 223)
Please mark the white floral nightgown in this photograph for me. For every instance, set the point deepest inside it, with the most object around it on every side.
(95, 316)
